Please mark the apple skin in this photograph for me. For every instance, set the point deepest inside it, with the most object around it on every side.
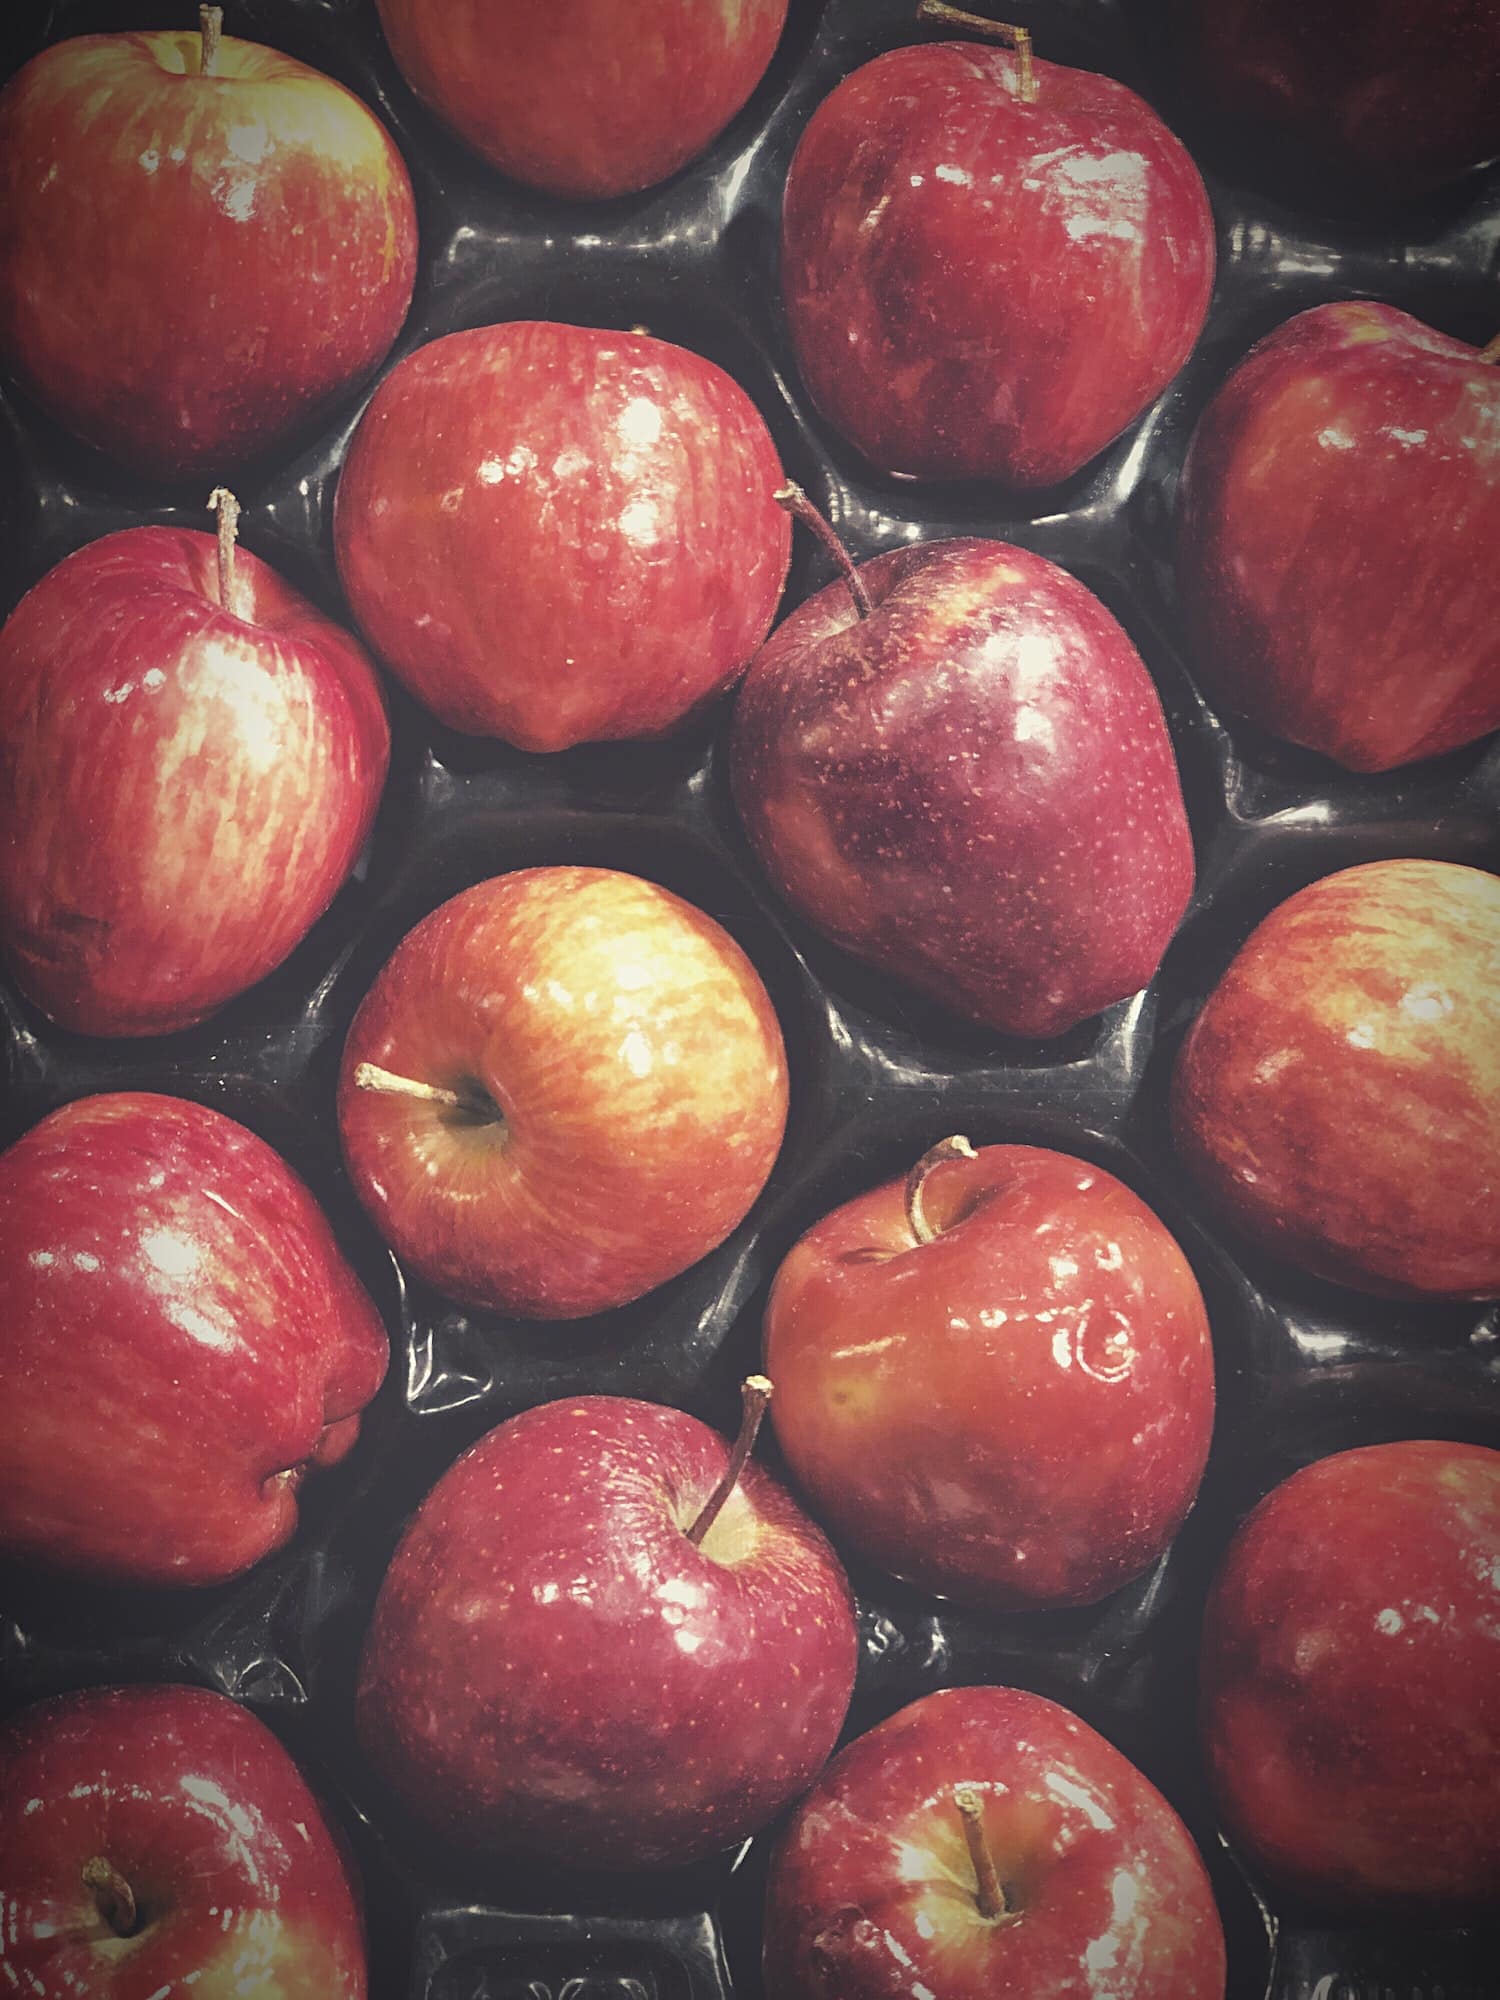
(1338, 1097)
(193, 268)
(973, 788)
(872, 1892)
(240, 1884)
(1350, 1681)
(593, 97)
(632, 1083)
(183, 787)
(1339, 509)
(183, 1340)
(1030, 1424)
(554, 1672)
(557, 534)
(952, 333)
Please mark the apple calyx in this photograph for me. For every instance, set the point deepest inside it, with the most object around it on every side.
(1018, 39)
(955, 1148)
(797, 504)
(474, 1106)
(113, 1896)
(755, 1394)
(210, 27)
(989, 1894)
(223, 503)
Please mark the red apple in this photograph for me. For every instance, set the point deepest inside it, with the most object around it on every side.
(199, 248)
(185, 779)
(554, 534)
(159, 1840)
(1351, 1683)
(183, 1339)
(994, 1378)
(1340, 510)
(566, 1086)
(556, 1671)
(1338, 1098)
(972, 788)
(1077, 1881)
(984, 287)
(587, 97)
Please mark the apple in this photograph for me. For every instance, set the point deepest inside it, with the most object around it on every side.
(1338, 514)
(1338, 1097)
(556, 534)
(590, 97)
(183, 1341)
(1351, 1683)
(191, 757)
(990, 268)
(566, 1086)
(971, 787)
(606, 1641)
(994, 1377)
(986, 1841)
(160, 1840)
(203, 243)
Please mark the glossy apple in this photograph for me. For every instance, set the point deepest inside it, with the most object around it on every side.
(194, 266)
(1338, 1098)
(875, 1890)
(981, 287)
(590, 97)
(994, 1378)
(183, 1340)
(185, 781)
(556, 1672)
(1339, 510)
(1351, 1683)
(555, 534)
(972, 788)
(601, 1092)
(160, 1840)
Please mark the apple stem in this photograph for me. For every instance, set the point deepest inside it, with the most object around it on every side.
(112, 1893)
(796, 503)
(210, 26)
(370, 1076)
(990, 1895)
(956, 1148)
(755, 1393)
(1491, 351)
(1018, 39)
(223, 503)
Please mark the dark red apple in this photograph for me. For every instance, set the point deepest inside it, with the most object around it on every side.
(1338, 1098)
(1340, 509)
(586, 97)
(972, 788)
(554, 534)
(183, 1340)
(159, 1840)
(982, 1842)
(994, 1378)
(201, 245)
(982, 285)
(187, 774)
(1351, 1683)
(566, 1086)
(557, 1671)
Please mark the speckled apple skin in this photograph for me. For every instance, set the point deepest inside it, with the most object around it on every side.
(554, 1672)
(872, 1892)
(1351, 1683)
(973, 788)
(1066, 1398)
(979, 288)
(1338, 1097)
(1340, 510)
(242, 1888)
(181, 1332)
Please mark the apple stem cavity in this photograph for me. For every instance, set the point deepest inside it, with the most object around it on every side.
(1018, 39)
(956, 1148)
(755, 1394)
(112, 1894)
(797, 504)
(989, 1894)
(210, 27)
(223, 503)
